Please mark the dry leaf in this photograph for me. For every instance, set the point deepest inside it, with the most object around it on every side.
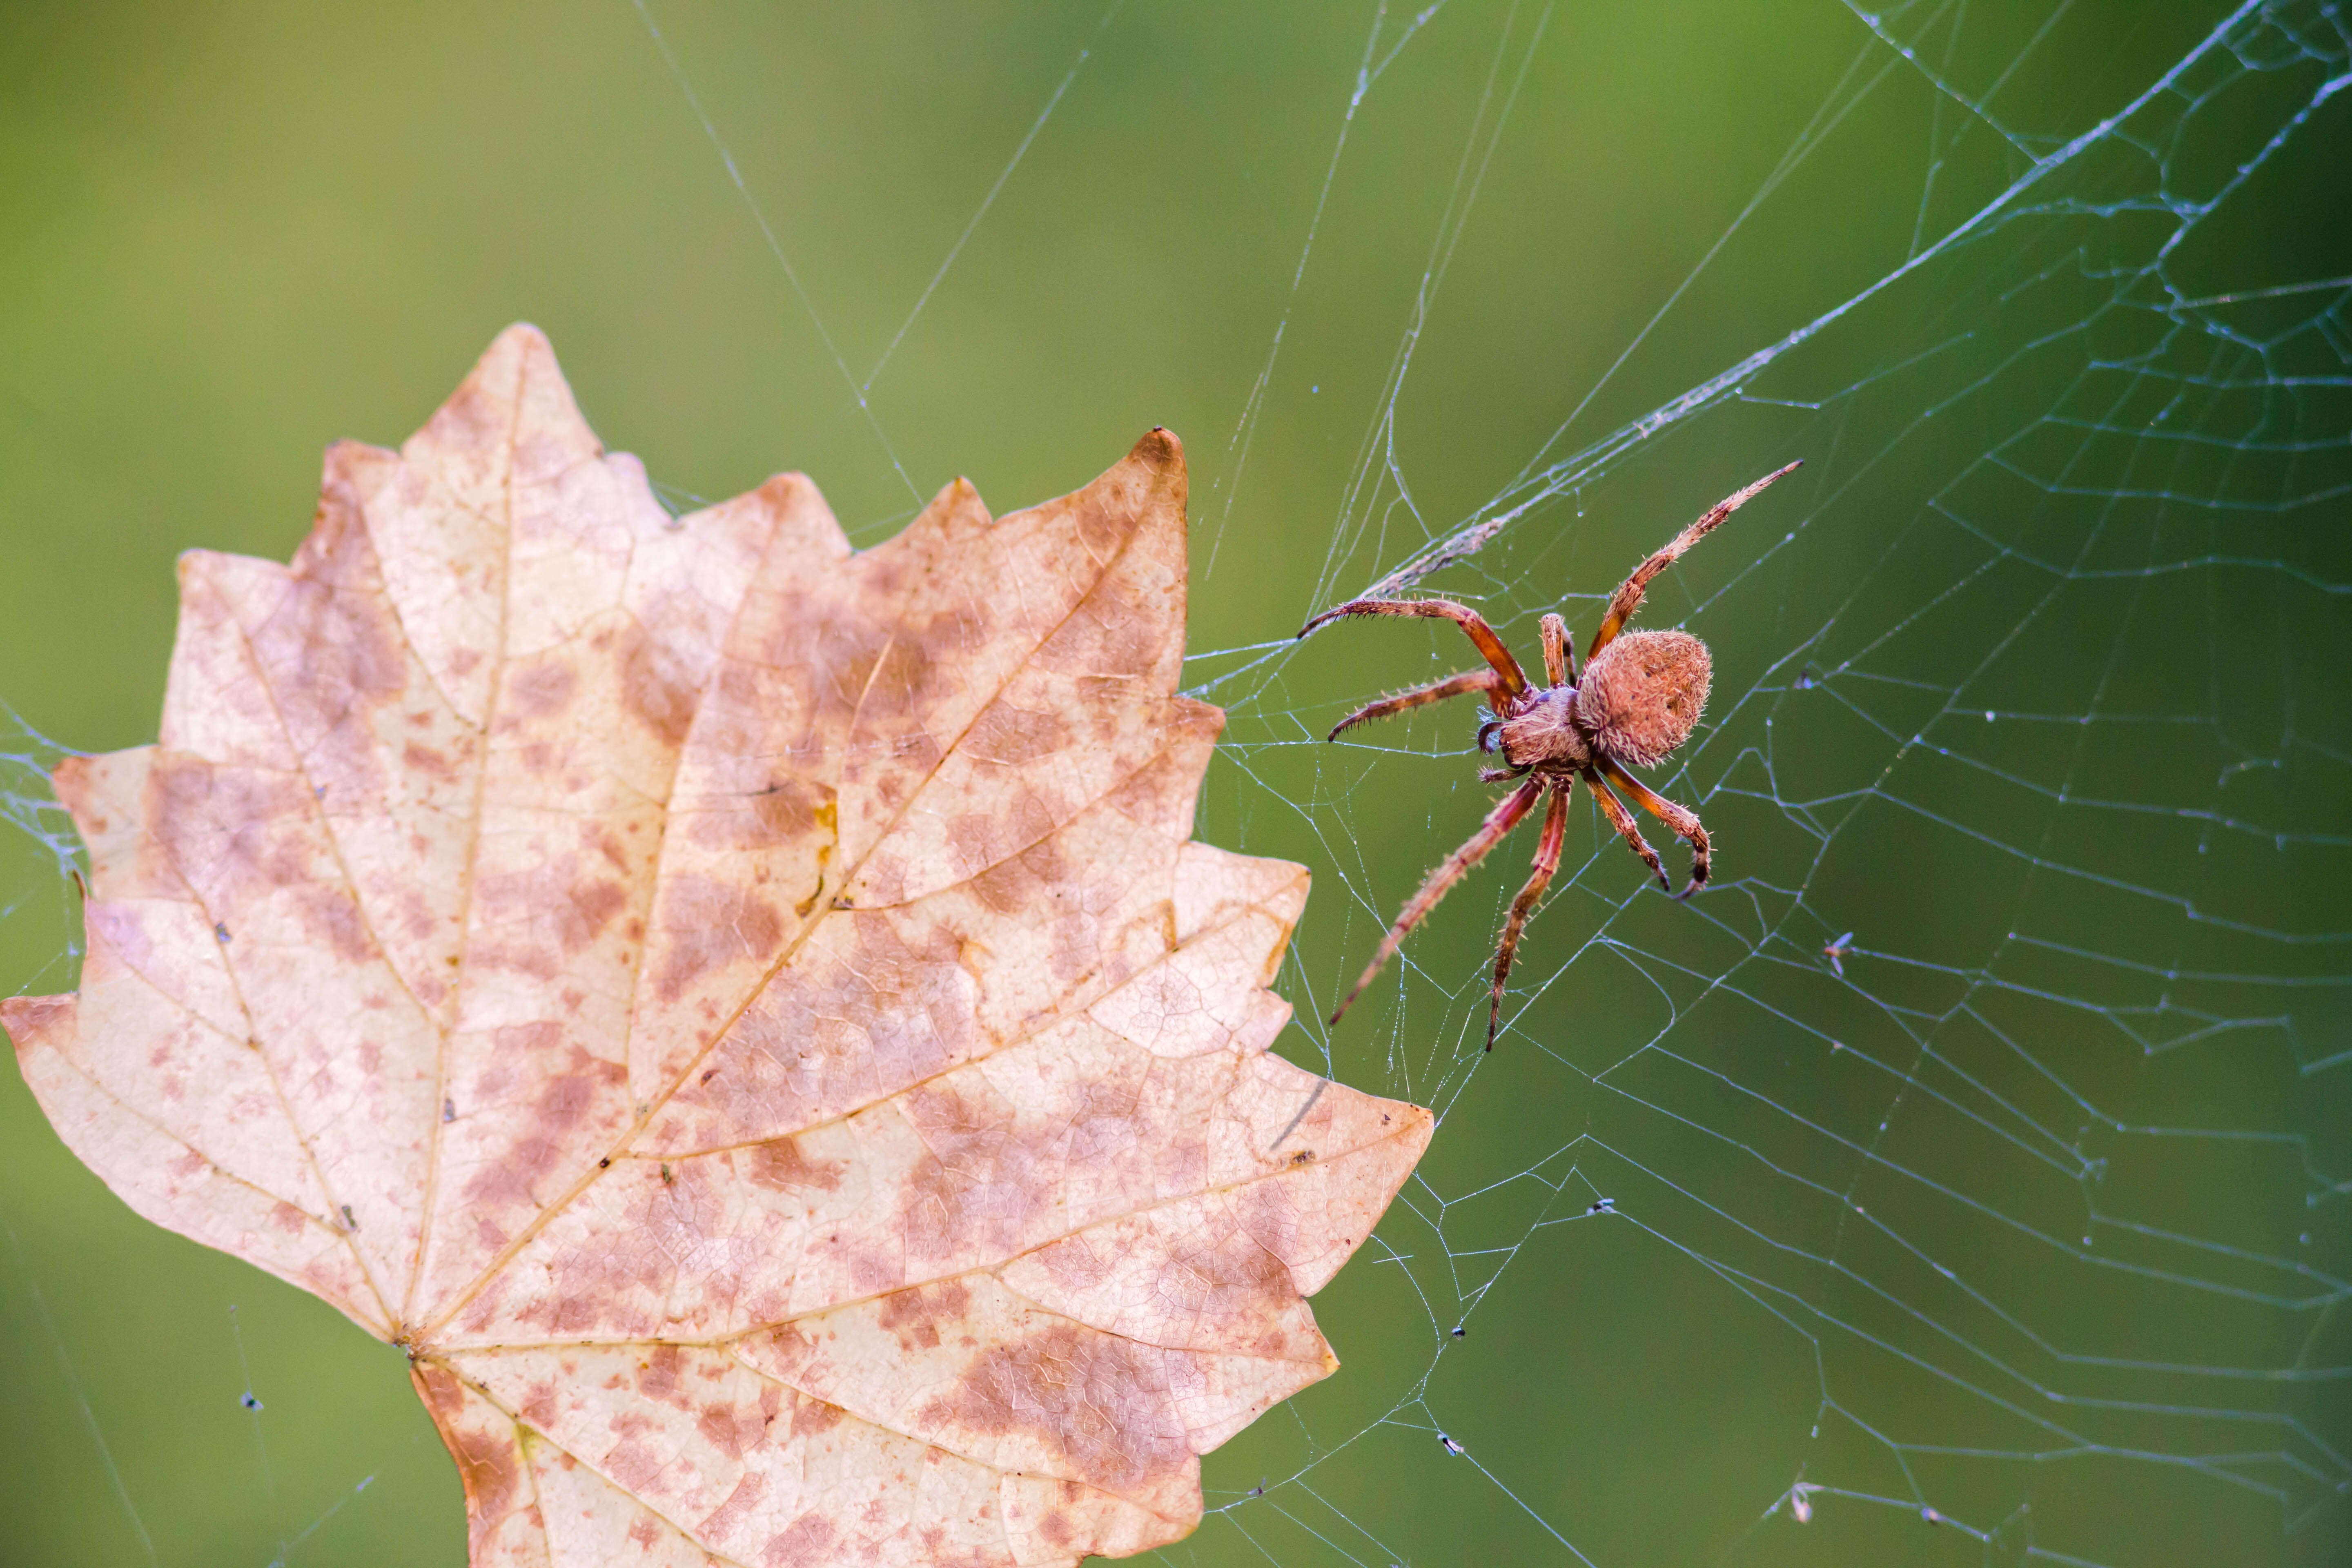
(745, 1015)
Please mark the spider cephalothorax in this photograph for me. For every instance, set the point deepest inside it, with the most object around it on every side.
(1640, 697)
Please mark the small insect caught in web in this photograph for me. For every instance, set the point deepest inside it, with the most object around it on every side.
(1637, 701)
(1450, 1445)
(1835, 953)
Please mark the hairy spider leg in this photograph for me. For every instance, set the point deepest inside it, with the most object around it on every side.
(1450, 870)
(1473, 626)
(1559, 659)
(1548, 848)
(1681, 818)
(1627, 597)
(1461, 685)
(1623, 821)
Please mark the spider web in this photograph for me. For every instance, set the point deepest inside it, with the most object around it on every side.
(2027, 768)
(1965, 1174)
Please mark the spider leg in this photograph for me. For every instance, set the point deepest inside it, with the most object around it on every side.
(1512, 680)
(1555, 833)
(1627, 597)
(1559, 659)
(1623, 821)
(1450, 870)
(1435, 691)
(1681, 818)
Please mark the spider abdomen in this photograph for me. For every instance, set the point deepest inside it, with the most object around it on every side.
(1641, 697)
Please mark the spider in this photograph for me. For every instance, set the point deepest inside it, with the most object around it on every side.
(1639, 700)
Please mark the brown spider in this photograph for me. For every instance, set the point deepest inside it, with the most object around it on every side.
(1640, 699)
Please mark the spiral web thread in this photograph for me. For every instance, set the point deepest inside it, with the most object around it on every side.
(1962, 1159)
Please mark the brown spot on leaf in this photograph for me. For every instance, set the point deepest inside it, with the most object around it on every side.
(236, 833)
(1019, 881)
(489, 1466)
(916, 1316)
(425, 760)
(978, 1186)
(540, 689)
(716, 1424)
(781, 1166)
(656, 689)
(803, 1545)
(712, 924)
(335, 915)
(658, 1375)
(1098, 1399)
(571, 1084)
(1011, 736)
(790, 809)
(594, 905)
(27, 1017)
(813, 1417)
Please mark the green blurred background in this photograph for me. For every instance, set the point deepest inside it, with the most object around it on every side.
(2036, 678)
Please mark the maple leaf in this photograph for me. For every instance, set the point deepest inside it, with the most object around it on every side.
(745, 1015)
